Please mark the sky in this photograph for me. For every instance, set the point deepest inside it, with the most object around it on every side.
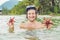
(3, 1)
(8, 3)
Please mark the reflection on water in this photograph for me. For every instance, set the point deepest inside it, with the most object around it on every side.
(20, 34)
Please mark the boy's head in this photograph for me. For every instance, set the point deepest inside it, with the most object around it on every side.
(31, 13)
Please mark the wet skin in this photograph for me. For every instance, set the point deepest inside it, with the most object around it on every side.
(31, 24)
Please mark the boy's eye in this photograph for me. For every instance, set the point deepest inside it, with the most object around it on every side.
(29, 13)
(32, 13)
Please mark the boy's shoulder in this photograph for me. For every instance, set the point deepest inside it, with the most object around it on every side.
(23, 23)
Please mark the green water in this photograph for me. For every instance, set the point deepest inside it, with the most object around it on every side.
(20, 34)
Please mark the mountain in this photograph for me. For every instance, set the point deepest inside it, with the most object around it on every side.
(9, 4)
(0, 7)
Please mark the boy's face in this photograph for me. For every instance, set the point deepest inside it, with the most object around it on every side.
(31, 15)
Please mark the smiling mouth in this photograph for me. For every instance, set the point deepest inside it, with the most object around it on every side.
(32, 17)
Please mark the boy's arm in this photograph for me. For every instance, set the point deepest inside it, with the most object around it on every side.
(43, 26)
(22, 26)
(51, 22)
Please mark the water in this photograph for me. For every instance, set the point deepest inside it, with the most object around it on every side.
(20, 34)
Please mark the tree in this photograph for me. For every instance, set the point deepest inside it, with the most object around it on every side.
(42, 6)
(4, 11)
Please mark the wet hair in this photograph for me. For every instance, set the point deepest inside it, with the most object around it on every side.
(31, 7)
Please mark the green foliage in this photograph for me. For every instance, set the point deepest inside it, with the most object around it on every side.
(43, 7)
(4, 11)
(55, 9)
